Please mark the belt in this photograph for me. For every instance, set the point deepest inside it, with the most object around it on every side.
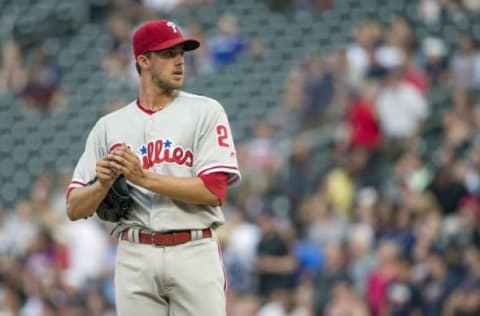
(167, 239)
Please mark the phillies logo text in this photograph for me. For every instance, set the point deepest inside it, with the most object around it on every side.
(162, 151)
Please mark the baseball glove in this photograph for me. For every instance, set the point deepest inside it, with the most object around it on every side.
(116, 203)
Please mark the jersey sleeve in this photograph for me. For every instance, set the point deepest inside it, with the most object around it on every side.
(215, 150)
(95, 148)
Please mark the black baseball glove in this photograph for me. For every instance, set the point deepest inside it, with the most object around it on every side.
(116, 203)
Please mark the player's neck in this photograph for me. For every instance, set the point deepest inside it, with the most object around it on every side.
(157, 100)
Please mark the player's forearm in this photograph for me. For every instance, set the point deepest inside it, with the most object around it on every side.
(82, 202)
(190, 190)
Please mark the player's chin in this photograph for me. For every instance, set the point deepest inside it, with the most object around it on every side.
(176, 83)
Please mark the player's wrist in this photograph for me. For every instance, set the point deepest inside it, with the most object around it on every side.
(142, 179)
(105, 185)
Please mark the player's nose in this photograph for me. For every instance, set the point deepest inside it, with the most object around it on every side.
(179, 60)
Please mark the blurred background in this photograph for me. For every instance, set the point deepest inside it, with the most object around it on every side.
(357, 124)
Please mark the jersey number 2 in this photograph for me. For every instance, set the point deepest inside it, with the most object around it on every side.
(222, 133)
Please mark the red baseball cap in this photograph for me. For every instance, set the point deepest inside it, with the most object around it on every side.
(158, 35)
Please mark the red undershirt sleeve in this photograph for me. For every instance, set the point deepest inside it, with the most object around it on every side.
(216, 183)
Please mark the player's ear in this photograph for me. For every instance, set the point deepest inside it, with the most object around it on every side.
(143, 61)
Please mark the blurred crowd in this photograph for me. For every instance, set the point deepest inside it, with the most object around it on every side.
(382, 220)
(34, 78)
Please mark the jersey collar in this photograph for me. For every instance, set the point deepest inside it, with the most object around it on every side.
(144, 109)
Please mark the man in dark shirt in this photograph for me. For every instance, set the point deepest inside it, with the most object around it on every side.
(402, 294)
(275, 260)
(448, 192)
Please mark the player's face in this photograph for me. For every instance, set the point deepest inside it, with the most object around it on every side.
(168, 68)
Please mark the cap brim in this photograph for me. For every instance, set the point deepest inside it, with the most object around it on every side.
(187, 43)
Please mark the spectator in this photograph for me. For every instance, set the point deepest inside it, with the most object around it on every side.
(275, 260)
(45, 256)
(465, 300)
(401, 110)
(13, 300)
(318, 90)
(326, 278)
(310, 259)
(117, 63)
(303, 300)
(42, 91)
(429, 11)
(85, 240)
(337, 66)
(246, 305)
(199, 61)
(468, 232)
(362, 260)
(322, 225)
(345, 301)
(400, 107)
(457, 122)
(282, 303)
(362, 122)
(416, 76)
(402, 30)
(398, 42)
(381, 276)
(41, 190)
(447, 191)
(436, 62)
(240, 253)
(368, 206)
(340, 189)
(31, 285)
(438, 287)
(398, 230)
(402, 294)
(227, 44)
(20, 222)
(288, 117)
(465, 66)
(262, 156)
(427, 229)
(354, 173)
(300, 178)
(13, 74)
(472, 173)
(97, 304)
(366, 36)
(261, 151)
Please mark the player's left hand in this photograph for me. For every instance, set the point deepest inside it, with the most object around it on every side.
(127, 162)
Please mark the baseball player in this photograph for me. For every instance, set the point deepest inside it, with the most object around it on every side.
(177, 153)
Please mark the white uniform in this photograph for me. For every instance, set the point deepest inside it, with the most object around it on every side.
(189, 137)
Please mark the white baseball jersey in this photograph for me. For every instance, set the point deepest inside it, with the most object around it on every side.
(190, 137)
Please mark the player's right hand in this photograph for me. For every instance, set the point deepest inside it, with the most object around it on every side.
(106, 175)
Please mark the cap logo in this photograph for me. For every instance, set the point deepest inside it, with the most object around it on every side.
(172, 25)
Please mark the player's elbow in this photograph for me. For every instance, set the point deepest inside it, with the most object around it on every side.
(73, 208)
(71, 214)
(213, 200)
